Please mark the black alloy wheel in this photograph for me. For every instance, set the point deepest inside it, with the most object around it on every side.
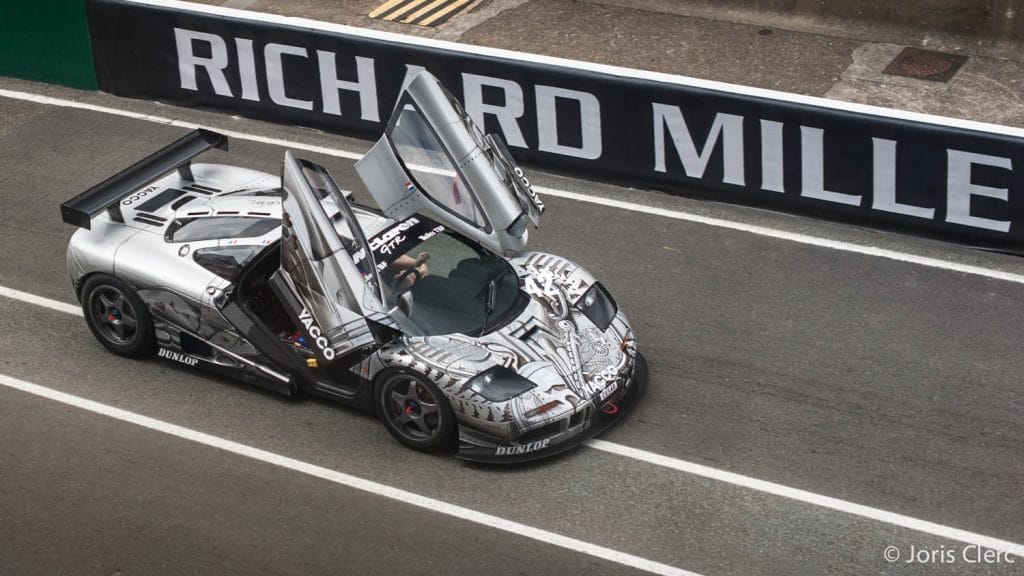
(415, 411)
(117, 316)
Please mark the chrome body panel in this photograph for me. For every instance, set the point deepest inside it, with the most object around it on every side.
(577, 369)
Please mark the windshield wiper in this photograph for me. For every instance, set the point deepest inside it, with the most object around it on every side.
(490, 294)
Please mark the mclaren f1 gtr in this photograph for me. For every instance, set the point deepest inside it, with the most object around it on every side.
(426, 309)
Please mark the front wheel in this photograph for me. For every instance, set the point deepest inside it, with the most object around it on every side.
(117, 316)
(415, 411)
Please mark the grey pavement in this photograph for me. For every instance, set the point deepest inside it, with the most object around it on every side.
(883, 383)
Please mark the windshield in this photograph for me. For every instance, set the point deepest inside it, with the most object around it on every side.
(454, 287)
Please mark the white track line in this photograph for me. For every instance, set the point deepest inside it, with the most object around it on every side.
(413, 499)
(40, 301)
(810, 497)
(793, 236)
(806, 239)
(695, 469)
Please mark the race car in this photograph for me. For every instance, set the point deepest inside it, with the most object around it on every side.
(426, 310)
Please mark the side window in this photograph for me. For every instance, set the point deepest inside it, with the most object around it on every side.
(226, 261)
(217, 227)
(427, 161)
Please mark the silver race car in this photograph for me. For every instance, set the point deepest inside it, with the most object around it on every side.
(427, 311)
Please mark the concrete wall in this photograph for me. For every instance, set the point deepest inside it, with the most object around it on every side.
(1001, 18)
(46, 40)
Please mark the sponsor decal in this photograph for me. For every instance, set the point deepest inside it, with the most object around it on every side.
(524, 449)
(431, 233)
(392, 237)
(316, 334)
(609, 377)
(608, 391)
(138, 196)
(177, 357)
(530, 193)
(398, 239)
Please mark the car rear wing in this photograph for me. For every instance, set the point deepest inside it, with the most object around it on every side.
(107, 194)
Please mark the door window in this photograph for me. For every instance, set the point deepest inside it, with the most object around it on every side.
(427, 161)
(226, 261)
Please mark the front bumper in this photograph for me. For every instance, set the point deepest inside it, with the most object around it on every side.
(600, 421)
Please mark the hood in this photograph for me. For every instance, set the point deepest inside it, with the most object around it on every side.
(551, 343)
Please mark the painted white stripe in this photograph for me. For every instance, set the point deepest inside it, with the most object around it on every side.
(674, 79)
(376, 488)
(863, 249)
(619, 204)
(810, 498)
(40, 301)
(657, 460)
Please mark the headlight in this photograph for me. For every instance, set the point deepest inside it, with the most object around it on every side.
(499, 384)
(597, 305)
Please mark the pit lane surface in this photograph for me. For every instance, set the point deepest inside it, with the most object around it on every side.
(879, 382)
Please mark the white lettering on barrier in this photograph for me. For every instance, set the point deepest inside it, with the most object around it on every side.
(273, 56)
(190, 63)
(960, 189)
(547, 122)
(508, 114)
(812, 169)
(771, 157)
(883, 195)
(365, 85)
(728, 129)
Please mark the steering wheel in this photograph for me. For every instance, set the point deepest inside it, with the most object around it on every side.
(398, 279)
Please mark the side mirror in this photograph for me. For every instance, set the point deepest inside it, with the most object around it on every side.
(403, 306)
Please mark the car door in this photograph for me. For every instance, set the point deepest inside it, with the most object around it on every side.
(433, 159)
(331, 299)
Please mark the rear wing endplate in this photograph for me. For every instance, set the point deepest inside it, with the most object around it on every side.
(107, 194)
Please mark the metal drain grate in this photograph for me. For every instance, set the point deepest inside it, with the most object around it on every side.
(925, 65)
(422, 12)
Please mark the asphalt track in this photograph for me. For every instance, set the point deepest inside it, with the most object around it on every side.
(883, 383)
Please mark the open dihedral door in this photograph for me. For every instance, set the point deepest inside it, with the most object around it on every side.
(432, 159)
(327, 294)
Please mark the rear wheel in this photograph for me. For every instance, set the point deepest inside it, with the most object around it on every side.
(117, 316)
(415, 411)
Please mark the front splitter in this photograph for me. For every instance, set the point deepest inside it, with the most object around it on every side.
(599, 422)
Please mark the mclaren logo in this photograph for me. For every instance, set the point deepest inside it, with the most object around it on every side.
(178, 357)
(318, 336)
(524, 449)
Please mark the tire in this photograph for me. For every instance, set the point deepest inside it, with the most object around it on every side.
(415, 411)
(117, 317)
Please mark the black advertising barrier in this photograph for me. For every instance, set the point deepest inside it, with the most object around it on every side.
(956, 180)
